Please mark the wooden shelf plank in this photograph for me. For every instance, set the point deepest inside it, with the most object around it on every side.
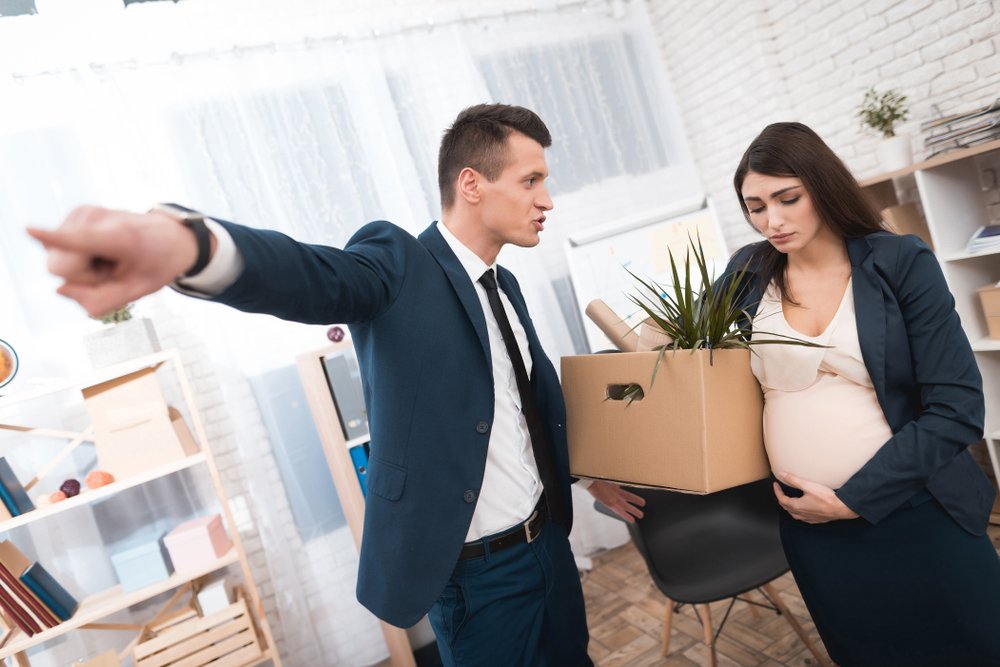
(937, 161)
(104, 604)
(986, 345)
(959, 256)
(92, 495)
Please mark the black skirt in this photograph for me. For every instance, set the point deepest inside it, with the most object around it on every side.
(915, 590)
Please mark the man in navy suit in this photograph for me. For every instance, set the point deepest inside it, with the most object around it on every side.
(469, 506)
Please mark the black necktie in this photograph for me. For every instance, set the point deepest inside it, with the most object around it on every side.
(536, 429)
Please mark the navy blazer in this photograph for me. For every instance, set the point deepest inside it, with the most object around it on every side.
(423, 349)
(925, 377)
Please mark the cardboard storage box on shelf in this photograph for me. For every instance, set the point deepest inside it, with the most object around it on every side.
(698, 428)
(141, 562)
(989, 297)
(198, 542)
(134, 429)
(906, 219)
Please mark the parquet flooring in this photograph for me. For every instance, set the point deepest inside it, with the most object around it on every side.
(625, 615)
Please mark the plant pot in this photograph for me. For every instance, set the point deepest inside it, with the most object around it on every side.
(894, 153)
(121, 342)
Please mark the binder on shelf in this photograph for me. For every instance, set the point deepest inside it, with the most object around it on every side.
(344, 380)
(49, 591)
(359, 457)
(14, 497)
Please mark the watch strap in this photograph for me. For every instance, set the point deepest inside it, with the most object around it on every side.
(196, 223)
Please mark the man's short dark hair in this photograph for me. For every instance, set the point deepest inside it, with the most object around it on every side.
(478, 139)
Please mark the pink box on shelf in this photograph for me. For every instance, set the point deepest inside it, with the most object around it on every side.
(198, 542)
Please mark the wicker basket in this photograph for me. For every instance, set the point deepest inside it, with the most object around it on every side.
(226, 638)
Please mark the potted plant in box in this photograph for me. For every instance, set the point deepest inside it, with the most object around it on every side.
(881, 113)
(686, 414)
(703, 315)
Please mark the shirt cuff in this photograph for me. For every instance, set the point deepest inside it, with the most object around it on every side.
(222, 271)
(583, 483)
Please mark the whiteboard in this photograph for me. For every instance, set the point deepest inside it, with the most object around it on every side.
(598, 258)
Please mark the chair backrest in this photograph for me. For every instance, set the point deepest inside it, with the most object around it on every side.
(702, 548)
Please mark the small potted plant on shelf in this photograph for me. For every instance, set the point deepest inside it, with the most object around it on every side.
(881, 112)
(122, 337)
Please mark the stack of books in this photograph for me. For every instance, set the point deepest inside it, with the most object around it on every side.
(14, 500)
(985, 239)
(29, 595)
(962, 130)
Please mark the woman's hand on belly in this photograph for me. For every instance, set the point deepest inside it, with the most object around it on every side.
(818, 504)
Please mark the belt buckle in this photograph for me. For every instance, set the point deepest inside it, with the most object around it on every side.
(527, 528)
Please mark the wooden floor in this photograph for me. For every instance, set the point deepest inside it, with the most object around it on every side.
(625, 615)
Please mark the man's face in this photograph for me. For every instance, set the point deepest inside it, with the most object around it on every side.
(513, 207)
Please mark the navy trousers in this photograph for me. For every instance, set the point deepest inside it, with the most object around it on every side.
(913, 591)
(522, 607)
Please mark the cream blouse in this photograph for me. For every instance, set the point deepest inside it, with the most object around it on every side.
(822, 420)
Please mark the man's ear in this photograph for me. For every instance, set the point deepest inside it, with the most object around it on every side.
(468, 185)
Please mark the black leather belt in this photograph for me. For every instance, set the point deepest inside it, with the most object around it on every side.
(525, 532)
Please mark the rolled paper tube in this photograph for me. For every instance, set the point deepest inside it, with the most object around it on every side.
(614, 327)
(651, 337)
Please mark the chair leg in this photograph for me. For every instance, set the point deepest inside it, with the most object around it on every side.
(668, 619)
(705, 613)
(799, 630)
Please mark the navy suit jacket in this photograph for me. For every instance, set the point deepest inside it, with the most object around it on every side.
(423, 348)
(925, 377)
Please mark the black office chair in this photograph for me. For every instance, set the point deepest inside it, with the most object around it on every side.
(704, 548)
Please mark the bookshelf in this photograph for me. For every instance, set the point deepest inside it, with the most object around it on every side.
(954, 207)
(336, 448)
(50, 400)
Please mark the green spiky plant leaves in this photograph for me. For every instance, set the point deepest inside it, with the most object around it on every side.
(706, 316)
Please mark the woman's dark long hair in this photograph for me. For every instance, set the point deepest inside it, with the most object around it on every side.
(792, 149)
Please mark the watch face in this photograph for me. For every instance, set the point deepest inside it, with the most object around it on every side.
(8, 363)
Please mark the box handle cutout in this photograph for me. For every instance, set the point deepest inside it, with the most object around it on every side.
(624, 392)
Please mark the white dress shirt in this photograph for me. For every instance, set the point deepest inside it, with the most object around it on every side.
(511, 484)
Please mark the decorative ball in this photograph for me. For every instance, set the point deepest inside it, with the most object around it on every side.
(70, 487)
(98, 478)
(57, 496)
(336, 334)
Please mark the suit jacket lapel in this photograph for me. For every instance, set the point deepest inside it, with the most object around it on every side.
(869, 309)
(432, 240)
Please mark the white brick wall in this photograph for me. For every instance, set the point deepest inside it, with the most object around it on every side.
(736, 67)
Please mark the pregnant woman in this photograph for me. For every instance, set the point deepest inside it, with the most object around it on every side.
(886, 511)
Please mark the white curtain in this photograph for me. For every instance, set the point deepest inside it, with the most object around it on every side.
(315, 136)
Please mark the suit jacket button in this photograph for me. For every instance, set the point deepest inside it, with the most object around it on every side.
(482, 427)
(469, 496)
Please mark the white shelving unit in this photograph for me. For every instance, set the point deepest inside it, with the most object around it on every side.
(954, 207)
(103, 604)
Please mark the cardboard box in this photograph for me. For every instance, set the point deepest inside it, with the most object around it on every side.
(906, 219)
(213, 597)
(141, 564)
(134, 429)
(198, 542)
(989, 296)
(698, 427)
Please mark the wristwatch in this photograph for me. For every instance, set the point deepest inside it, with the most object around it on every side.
(196, 223)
